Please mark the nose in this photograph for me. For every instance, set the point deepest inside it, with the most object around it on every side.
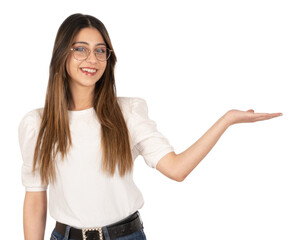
(92, 58)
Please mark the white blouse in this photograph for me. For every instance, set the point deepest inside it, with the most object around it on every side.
(83, 195)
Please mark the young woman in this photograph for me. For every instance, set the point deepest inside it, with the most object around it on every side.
(82, 144)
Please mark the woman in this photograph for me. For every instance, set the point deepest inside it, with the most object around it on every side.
(84, 141)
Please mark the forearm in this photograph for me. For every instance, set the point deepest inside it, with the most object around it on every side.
(186, 161)
(178, 166)
(34, 218)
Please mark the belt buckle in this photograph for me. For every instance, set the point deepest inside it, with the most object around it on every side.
(85, 230)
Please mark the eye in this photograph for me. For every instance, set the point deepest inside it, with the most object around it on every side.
(100, 50)
(80, 49)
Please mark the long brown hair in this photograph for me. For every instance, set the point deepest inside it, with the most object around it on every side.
(54, 134)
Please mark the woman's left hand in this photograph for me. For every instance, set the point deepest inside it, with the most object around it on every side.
(237, 116)
(179, 166)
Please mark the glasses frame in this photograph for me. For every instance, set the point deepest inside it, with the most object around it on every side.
(89, 51)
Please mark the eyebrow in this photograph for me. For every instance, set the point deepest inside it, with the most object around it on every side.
(89, 44)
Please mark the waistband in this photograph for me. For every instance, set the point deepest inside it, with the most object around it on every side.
(119, 229)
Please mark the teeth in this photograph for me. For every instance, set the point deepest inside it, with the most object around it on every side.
(89, 70)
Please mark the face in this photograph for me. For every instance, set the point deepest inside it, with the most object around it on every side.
(85, 73)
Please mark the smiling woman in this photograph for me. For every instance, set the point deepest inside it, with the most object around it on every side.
(84, 141)
(84, 138)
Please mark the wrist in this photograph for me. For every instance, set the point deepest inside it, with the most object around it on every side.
(227, 119)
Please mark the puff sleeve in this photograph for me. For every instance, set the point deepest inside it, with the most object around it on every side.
(28, 133)
(146, 138)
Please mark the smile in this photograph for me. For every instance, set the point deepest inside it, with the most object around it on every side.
(89, 71)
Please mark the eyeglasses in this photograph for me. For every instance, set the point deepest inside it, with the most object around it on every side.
(81, 53)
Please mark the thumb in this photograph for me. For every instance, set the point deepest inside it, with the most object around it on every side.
(251, 110)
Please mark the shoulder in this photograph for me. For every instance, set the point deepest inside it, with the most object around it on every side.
(128, 101)
(31, 120)
(132, 105)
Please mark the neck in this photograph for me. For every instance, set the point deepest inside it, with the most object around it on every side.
(81, 98)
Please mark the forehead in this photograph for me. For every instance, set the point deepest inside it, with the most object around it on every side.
(89, 35)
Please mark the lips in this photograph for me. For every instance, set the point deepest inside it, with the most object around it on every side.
(89, 71)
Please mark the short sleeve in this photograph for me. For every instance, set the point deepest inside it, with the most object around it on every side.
(146, 138)
(28, 132)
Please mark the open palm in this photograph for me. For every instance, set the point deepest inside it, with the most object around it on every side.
(236, 116)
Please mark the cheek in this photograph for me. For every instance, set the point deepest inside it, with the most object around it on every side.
(71, 67)
(103, 67)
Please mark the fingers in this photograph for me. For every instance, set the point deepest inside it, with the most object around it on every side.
(265, 116)
(237, 116)
(268, 114)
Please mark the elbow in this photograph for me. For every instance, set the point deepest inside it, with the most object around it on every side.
(175, 176)
(179, 177)
(172, 167)
(179, 173)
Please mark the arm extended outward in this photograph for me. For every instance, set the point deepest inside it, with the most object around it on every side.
(179, 166)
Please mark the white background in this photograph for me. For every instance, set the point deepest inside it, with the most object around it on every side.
(192, 61)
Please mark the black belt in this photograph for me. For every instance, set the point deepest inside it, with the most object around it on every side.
(119, 229)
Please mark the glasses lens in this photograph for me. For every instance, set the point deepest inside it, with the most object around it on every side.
(80, 53)
(102, 53)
